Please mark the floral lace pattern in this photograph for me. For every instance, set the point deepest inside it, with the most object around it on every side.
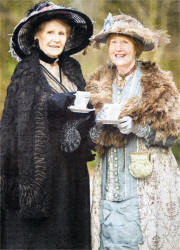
(95, 210)
(70, 136)
(159, 202)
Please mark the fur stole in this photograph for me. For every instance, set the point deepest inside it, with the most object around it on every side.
(158, 105)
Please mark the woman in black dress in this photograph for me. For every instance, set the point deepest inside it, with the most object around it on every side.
(44, 146)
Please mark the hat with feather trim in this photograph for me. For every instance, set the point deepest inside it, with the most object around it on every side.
(129, 26)
(22, 40)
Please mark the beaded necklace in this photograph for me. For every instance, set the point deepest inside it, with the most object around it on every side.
(120, 80)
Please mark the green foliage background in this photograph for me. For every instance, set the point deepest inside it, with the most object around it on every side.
(156, 14)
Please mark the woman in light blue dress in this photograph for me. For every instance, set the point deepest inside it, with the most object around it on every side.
(130, 206)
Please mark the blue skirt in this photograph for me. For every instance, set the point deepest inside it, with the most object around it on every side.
(120, 227)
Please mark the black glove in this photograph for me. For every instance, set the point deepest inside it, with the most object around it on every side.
(60, 102)
(86, 123)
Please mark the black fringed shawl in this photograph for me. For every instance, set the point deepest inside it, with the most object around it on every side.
(25, 156)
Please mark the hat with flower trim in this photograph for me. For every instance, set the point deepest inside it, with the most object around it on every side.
(129, 26)
(22, 40)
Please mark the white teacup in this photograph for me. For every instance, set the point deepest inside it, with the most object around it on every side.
(82, 99)
(109, 112)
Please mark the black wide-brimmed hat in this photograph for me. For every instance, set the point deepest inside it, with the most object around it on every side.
(22, 40)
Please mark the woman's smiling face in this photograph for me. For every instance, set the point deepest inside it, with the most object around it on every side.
(52, 36)
(121, 50)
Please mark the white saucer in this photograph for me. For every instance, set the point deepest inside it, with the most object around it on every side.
(79, 110)
(110, 122)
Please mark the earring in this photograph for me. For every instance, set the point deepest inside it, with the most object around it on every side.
(36, 44)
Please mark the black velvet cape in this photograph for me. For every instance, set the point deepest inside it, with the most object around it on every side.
(44, 191)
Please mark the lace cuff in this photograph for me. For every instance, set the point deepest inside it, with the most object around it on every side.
(147, 133)
(95, 133)
(154, 138)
